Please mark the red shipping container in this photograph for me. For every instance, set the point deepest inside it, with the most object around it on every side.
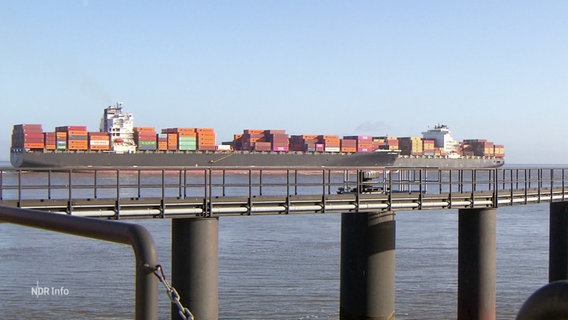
(37, 135)
(267, 132)
(70, 128)
(207, 148)
(145, 129)
(262, 146)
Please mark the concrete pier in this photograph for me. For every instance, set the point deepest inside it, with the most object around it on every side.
(367, 266)
(477, 264)
(195, 266)
(558, 246)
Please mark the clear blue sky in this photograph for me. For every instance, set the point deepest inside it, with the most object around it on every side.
(488, 69)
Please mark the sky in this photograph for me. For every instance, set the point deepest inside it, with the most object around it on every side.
(496, 70)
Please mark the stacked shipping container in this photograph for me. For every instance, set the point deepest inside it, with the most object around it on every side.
(305, 143)
(99, 141)
(145, 138)
(206, 139)
(61, 138)
(499, 151)
(278, 139)
(411, 146)
(50, 141)
(28, 136)
(188, 139)
(77, 137)
(364, 143)
(162, 141)
(478, 147)
(262, 140)
(331, 143)
(348, 145)
(429, 147)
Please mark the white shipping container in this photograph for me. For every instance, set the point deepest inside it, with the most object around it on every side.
(100, 143)
(224, 147)
(332, 149)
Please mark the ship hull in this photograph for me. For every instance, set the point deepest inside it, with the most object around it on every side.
(238, 159)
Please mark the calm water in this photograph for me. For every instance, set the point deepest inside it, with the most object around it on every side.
(272, 267)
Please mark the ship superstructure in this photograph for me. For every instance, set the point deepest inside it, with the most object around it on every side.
(442, 137)
(120, 125)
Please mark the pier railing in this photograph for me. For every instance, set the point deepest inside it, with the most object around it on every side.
(198, 191)
(134, 235)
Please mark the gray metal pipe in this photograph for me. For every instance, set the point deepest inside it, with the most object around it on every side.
(477, 264)
(195, 266)
(134, 235)
(558, 245)
(548, 302)
(367, 276)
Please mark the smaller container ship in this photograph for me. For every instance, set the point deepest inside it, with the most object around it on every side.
(119, 143)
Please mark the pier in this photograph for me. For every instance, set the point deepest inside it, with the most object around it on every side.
(367, 198)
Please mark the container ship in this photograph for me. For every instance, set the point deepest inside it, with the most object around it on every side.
(119, 143)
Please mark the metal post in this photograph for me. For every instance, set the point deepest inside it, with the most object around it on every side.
(127, 233)
(477, 263)
(95, 183)
(48, 185)
(367, 265)
(195, 266)
(558, 245)
(139, 182)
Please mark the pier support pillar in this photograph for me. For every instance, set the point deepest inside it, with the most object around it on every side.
(477, 264)
(367, 266)
(558, 245)
(195, 266)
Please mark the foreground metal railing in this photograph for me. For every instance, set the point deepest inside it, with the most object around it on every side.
(131, 234)
(159, 192)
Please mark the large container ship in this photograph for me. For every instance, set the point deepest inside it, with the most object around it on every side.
(119, 143)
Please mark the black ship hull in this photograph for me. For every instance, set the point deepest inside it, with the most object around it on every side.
(240, 159)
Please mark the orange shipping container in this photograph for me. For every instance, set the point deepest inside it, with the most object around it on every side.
(78, 133)
(328, 137)
(34, 145)
(210, 139)
(187, 134)
(98, 134)
(178, 130)
(100, 148)
(253, 131)
(162, 146)
(145, 129)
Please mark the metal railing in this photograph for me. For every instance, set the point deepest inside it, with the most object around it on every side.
(134, 235)
(158, 192)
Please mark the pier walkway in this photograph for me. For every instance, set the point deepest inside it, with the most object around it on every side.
(207, 192)
(367, 198)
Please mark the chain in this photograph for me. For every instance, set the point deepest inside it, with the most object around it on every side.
(183, 312)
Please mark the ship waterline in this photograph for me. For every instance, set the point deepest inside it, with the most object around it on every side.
(242, 159)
